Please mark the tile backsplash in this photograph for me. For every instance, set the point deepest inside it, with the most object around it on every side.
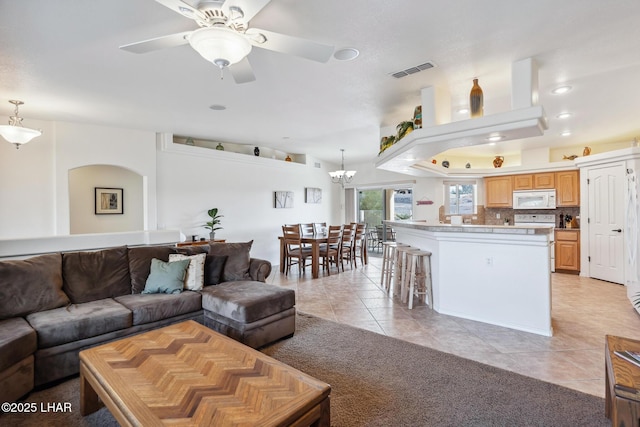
(494, 216)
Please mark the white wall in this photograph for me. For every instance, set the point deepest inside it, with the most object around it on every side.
(191, 180)
(27, 186)
(82, 183)
(81, 145)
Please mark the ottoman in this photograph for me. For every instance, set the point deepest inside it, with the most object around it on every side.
(254, 313)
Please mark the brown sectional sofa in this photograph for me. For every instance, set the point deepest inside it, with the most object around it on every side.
(55, 305)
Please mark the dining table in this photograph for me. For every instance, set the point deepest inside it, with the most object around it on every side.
(315, 240)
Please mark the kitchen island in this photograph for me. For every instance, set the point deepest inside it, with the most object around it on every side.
(494, 274)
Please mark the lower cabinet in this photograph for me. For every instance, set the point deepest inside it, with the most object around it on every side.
(567, 250)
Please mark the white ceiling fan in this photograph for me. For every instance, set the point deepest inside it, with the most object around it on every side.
(225, 39)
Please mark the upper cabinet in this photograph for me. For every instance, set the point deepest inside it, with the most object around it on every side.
(523, 182)
(568, 188)
(535, 181)
(498, 191)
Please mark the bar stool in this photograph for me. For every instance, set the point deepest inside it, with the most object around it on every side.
(400, 272)
(418, 278)
(388, 262)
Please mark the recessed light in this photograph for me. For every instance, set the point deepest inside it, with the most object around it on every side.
(563, 115)
(492, 144)
(566, 133)
(462, 110)
(217, 107)
(561, 89)
(346, 54)
(495, 138)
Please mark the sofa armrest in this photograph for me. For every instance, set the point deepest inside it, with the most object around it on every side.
(259, 269)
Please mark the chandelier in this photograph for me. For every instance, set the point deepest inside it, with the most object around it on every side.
(342, 176)
(14, 132)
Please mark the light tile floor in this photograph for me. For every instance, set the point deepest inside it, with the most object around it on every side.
(584, 311)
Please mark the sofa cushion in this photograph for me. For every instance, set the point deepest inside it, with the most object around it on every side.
(238, 259)
(148, 308)
(194, 280)
(213, 267)
(17, 341)
(31, 285)
(79, 321)
(247, 301)
(90, 276)
(140, 263)
(166, 277)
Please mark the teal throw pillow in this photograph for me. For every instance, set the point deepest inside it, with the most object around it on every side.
(166, 277)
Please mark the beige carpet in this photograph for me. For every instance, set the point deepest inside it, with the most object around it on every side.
(381, 381)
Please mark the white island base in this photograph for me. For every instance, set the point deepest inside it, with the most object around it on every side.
(494, 274)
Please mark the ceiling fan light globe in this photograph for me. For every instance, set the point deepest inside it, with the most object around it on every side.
(218, 45)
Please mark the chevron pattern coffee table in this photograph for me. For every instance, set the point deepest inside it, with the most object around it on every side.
(187, 374)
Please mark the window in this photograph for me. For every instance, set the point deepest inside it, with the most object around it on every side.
(460, 197)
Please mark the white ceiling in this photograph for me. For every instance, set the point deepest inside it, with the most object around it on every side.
(62, 59)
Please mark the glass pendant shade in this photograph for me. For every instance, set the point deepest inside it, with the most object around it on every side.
(14, 132)
(17, 134)
(221, 46)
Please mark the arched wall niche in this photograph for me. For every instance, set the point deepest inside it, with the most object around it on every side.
(82, 183)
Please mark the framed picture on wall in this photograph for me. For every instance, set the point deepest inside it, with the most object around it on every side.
(313, 195)
(108, 201)
(283, 199)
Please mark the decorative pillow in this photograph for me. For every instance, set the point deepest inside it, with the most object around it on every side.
(213, 266)
(31, 285)
(238, 259)
(90, 276)
(140, 263)
(195, 272)
(166, 277)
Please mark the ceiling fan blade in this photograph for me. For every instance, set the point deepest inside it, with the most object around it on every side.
(289, 44)
(157, 43)
(183, 9)
(242, 71)
(250, 8)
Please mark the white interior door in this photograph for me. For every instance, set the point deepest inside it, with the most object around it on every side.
(606, 223)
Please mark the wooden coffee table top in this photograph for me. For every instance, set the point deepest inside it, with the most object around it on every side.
(187, 374)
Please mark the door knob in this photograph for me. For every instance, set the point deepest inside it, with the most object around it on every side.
(619, 230)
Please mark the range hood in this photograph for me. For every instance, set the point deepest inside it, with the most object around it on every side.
(525, 120)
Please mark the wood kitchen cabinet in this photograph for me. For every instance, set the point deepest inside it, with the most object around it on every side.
(535, 181)
(544, 181)
(568, 188)
(567, 250)
(523, 182)
(498, 191)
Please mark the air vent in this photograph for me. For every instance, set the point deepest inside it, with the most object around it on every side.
(317, 165)
(413, 70)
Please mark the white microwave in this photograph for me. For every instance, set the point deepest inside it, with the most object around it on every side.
(534, 199)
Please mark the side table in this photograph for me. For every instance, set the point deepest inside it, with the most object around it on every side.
(199, 242)
(622, 398)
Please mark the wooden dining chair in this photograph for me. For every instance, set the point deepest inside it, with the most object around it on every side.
(319, 227)
(330, 252)
(307, 229)
(346, 248)
(359, 247)
(295, 252)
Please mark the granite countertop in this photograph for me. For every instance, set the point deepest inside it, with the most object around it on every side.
(469, 228)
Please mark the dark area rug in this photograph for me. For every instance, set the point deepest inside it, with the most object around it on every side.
(381, 381)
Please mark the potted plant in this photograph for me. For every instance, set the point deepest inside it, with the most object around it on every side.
(214, 224)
